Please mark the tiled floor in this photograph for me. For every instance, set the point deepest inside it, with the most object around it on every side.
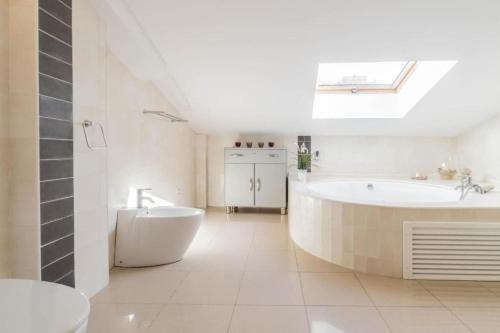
(243, 274)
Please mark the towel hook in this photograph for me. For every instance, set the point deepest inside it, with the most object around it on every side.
(89, 123)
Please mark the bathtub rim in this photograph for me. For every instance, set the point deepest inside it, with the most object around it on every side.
(473, 200)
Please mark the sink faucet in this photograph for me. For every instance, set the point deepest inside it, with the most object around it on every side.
(141, 197)
(467, 185)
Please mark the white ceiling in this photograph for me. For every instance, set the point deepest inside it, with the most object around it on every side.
(250, 66)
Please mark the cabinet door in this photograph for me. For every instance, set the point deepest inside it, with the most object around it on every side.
(239, 185)
(270, 185)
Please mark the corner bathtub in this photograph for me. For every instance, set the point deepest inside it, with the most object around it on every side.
(358, 224)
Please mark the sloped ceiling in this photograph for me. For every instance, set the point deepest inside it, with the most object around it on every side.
(250, 66)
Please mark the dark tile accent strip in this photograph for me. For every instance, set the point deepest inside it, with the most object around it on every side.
(55, 48)
(55, 149)
(54, 27)
(56, 8)
(53, 87)
(68, 280)
(55, 68)
(58, 229)
(56, 189)
(56, 250)
(67, 2)
(54, 108)
(55, 210)
(58, 269)
(56, 169)
(55, 129)
(56, 141)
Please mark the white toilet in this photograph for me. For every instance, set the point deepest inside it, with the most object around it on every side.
(28, 306)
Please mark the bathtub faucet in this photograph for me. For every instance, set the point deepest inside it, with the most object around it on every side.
(467, 185)
(141, 197)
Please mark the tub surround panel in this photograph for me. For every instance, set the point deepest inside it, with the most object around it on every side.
(365, 238)
(56, 141)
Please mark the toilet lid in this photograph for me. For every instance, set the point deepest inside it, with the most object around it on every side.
(28, 306)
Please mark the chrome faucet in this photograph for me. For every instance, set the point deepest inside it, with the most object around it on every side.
(141, 197)
(467, 185)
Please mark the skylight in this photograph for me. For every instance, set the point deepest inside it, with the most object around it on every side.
(374, 90)
(361, 77)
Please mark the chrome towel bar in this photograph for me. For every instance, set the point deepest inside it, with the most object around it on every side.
(89, 123)
(172, 118)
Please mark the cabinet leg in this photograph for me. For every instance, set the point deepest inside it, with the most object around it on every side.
(283, 211)
(229, 209)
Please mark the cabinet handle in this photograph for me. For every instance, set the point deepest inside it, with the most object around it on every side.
(258, 184)
(251, 184)
(237, 155)
(274, 155)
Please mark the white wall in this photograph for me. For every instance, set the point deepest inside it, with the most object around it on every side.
(90, 167)
(201, 170)
(342, 156)
(143, 151)
(381, 156)
(4, 93)
(479, 150)
(24, 190)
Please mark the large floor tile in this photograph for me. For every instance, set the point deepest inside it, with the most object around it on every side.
(118, 318)
(422, 320)
(309, 263)
(480, 320)
(333, 289)
(211, 260)
(140, 285)
(272, 239)
(386, 291)
(270, 288)
(193, 319)
(273, 260)
(462, 293)
(269, 319)
(345, 319)
(208, 288)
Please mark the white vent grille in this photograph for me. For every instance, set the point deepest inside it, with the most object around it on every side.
(451, 250)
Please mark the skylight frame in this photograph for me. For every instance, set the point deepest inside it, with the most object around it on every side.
(394, 88)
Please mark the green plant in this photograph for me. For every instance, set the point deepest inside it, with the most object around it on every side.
(303, 158)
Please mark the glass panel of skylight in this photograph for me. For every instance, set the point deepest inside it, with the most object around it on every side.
(360, 73)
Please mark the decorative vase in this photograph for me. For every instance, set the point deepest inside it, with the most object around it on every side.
(302, 174)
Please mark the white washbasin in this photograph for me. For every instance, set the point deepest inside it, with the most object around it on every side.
(157, 236)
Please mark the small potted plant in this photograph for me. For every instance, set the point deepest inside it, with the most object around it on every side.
(303, 161)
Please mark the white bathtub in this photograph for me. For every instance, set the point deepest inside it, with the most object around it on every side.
(383, 192)
(158, 236)
(351, 224)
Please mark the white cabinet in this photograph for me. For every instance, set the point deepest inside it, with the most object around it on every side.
(255, 178)
(241, 177)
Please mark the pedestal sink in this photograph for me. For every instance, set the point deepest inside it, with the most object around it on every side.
(156, 236)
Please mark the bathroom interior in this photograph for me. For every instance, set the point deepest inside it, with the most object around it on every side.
(249, 166)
